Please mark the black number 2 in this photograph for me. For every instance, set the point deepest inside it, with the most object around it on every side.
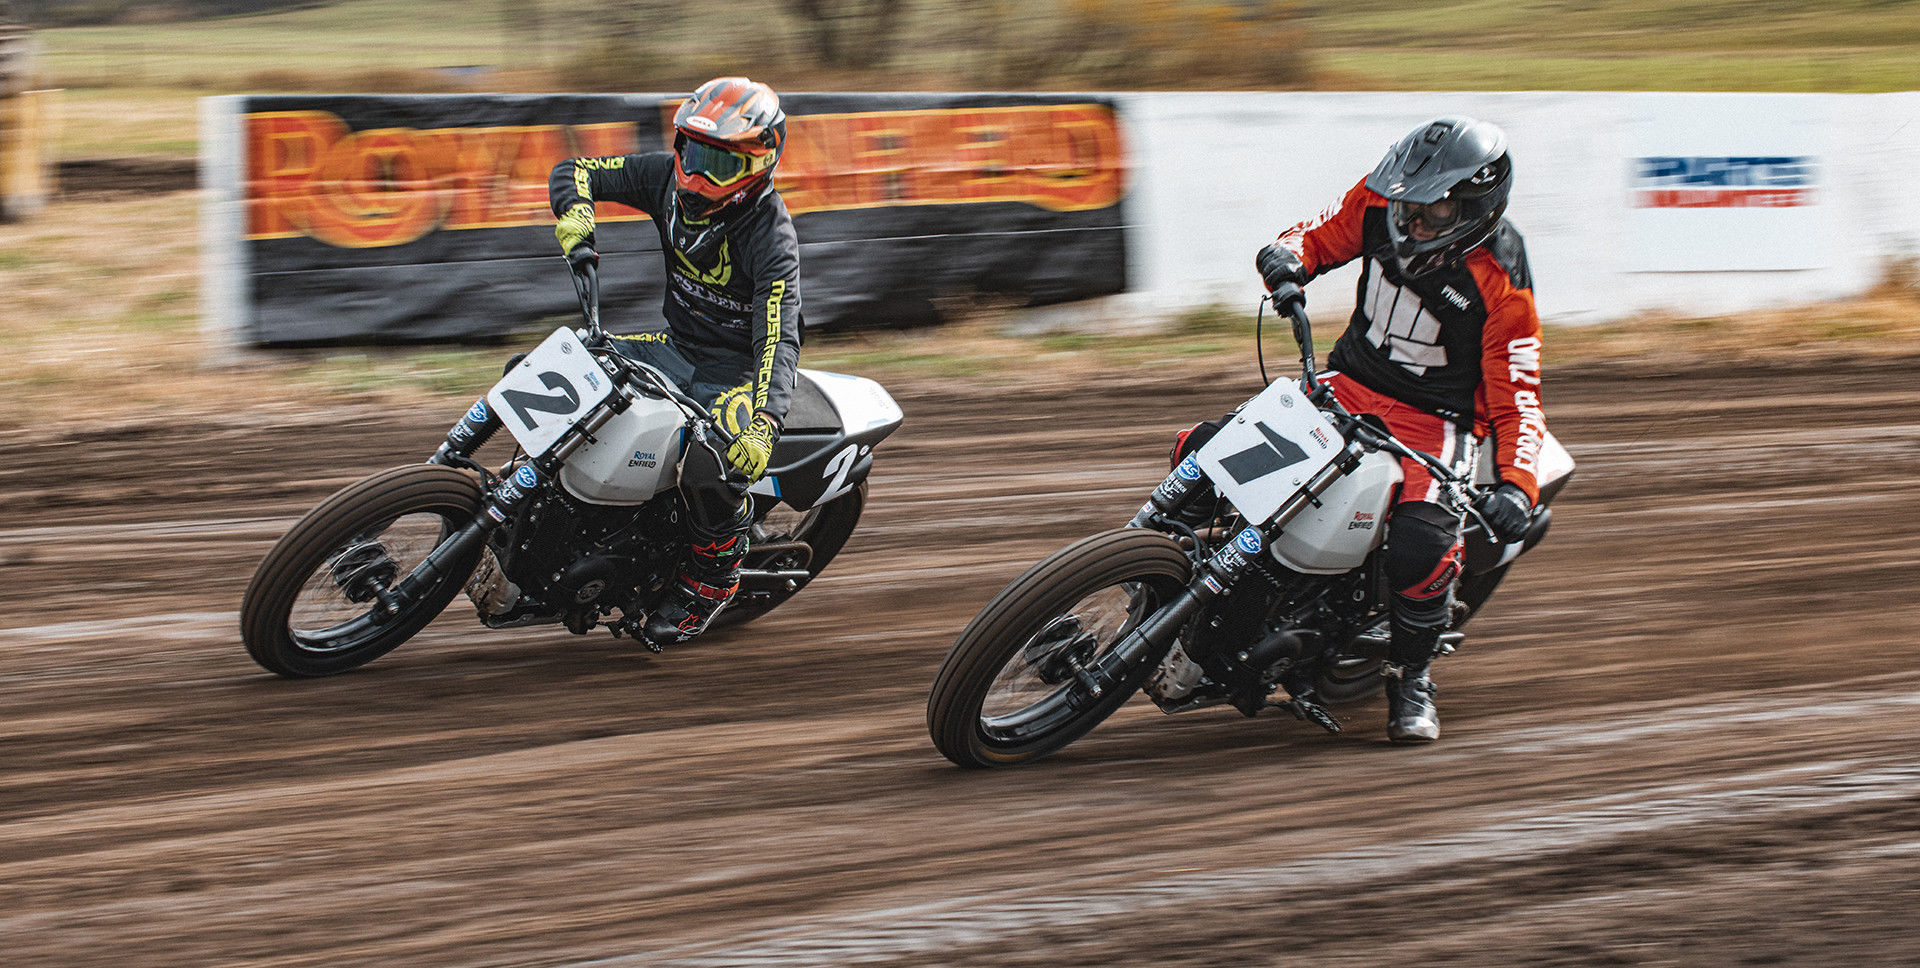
(565, 399)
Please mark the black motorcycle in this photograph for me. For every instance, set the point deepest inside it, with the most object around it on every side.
(582, 526)
(1253, 577)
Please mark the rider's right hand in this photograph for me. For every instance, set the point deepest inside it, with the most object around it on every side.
(583, 254)
(1507, 511)
(574, 230)
(1283, 273)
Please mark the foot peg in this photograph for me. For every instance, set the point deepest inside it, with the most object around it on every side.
(1303, 707)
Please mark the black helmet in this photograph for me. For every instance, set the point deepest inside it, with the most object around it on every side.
(1451, 176)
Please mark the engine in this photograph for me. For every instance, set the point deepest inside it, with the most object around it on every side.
(574, 561)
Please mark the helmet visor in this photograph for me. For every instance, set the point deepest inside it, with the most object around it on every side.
(719, 165)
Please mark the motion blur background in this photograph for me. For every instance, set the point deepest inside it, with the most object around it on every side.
(1683, 732)
(110, 260)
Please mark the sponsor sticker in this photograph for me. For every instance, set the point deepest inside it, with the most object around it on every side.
(478, 412)
(1249, 541)
(1188, 469)
(1734, 181)
(526, 476)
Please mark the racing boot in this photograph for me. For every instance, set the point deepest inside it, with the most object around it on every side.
(705, 585)
(1411, 714)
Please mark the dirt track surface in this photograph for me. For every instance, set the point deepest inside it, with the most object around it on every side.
(1686, 732)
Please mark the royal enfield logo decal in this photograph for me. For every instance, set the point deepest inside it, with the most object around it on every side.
(1262, 459)
(1762, 181)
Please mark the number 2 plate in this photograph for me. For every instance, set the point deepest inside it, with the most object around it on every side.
(1268, 450)
(549, 390)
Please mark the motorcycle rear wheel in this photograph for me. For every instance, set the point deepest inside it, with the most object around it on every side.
(1001, 698)
(825, 529)
(310, 610)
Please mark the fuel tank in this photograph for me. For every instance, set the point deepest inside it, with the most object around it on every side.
(633, 457)
(1348, 523)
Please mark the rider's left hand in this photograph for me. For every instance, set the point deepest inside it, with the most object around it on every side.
(753, 447)
(1506, 510)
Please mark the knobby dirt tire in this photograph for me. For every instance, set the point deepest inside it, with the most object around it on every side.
(827, 532)
(996, 638)
(305, 551)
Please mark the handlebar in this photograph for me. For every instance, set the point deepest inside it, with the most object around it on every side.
(1459, 489)
(586, 285)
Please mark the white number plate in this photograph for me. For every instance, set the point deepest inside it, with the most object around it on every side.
(549, 390)
(1268, 450)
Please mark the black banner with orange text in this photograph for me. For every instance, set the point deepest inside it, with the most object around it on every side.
(421, 218)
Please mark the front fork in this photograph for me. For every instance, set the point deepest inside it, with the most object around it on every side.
(502, 504)
(1212, 575)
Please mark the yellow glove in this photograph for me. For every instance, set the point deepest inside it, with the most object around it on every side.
(753, 448)
(575, 227)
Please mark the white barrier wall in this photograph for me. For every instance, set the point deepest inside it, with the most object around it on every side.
(1691, 203)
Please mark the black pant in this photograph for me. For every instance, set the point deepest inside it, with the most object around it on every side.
(716, 494)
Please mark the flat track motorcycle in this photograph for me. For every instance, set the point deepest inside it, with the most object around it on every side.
(582, 526)
(1252, 576)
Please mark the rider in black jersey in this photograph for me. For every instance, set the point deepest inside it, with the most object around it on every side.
(732, 337)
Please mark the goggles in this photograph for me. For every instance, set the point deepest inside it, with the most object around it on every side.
(719, 165)
(1437, 217)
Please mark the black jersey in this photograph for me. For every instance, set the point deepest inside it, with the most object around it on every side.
(733, 284)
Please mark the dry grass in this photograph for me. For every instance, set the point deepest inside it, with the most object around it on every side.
(101, 325)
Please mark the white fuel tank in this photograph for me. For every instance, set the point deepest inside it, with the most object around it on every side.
(633, 457)
(1350, 522)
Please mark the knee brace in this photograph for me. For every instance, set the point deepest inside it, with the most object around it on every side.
(1423, 559)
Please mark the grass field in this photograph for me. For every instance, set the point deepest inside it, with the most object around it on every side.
(136, 80)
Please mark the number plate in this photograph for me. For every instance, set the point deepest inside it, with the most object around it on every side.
(549, 390)
(1277, 441)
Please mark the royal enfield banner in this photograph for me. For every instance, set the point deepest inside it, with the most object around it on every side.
(417, 218)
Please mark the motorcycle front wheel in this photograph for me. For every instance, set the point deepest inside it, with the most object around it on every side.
(1008, 692)
(313, 606)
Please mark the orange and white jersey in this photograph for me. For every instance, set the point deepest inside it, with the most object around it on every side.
(1461, 342)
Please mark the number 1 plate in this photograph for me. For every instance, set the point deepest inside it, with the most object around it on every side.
(549, 390)
(1268, 450)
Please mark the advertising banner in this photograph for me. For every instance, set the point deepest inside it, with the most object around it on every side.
(1743, 187)
(415, 218)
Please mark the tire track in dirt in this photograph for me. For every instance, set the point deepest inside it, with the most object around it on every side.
(1722, 615)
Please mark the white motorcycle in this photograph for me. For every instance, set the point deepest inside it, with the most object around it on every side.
(1265, 589)
(583, 524)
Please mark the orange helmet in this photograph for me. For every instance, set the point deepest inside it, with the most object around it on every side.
(726, 140)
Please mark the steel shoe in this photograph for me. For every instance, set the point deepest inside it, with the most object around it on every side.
(688, 610)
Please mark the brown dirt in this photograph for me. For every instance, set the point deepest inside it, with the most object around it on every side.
(1683, 734)
(114, 179)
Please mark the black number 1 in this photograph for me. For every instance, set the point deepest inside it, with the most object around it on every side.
(564, 400)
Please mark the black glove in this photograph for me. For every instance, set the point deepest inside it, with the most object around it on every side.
(1283, 273)
(1507, 511)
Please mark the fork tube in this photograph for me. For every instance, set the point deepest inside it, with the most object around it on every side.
(1216, 575)
(475, 427)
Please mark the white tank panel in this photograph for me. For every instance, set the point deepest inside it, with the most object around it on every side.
(633, 457)
(1350, 522)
